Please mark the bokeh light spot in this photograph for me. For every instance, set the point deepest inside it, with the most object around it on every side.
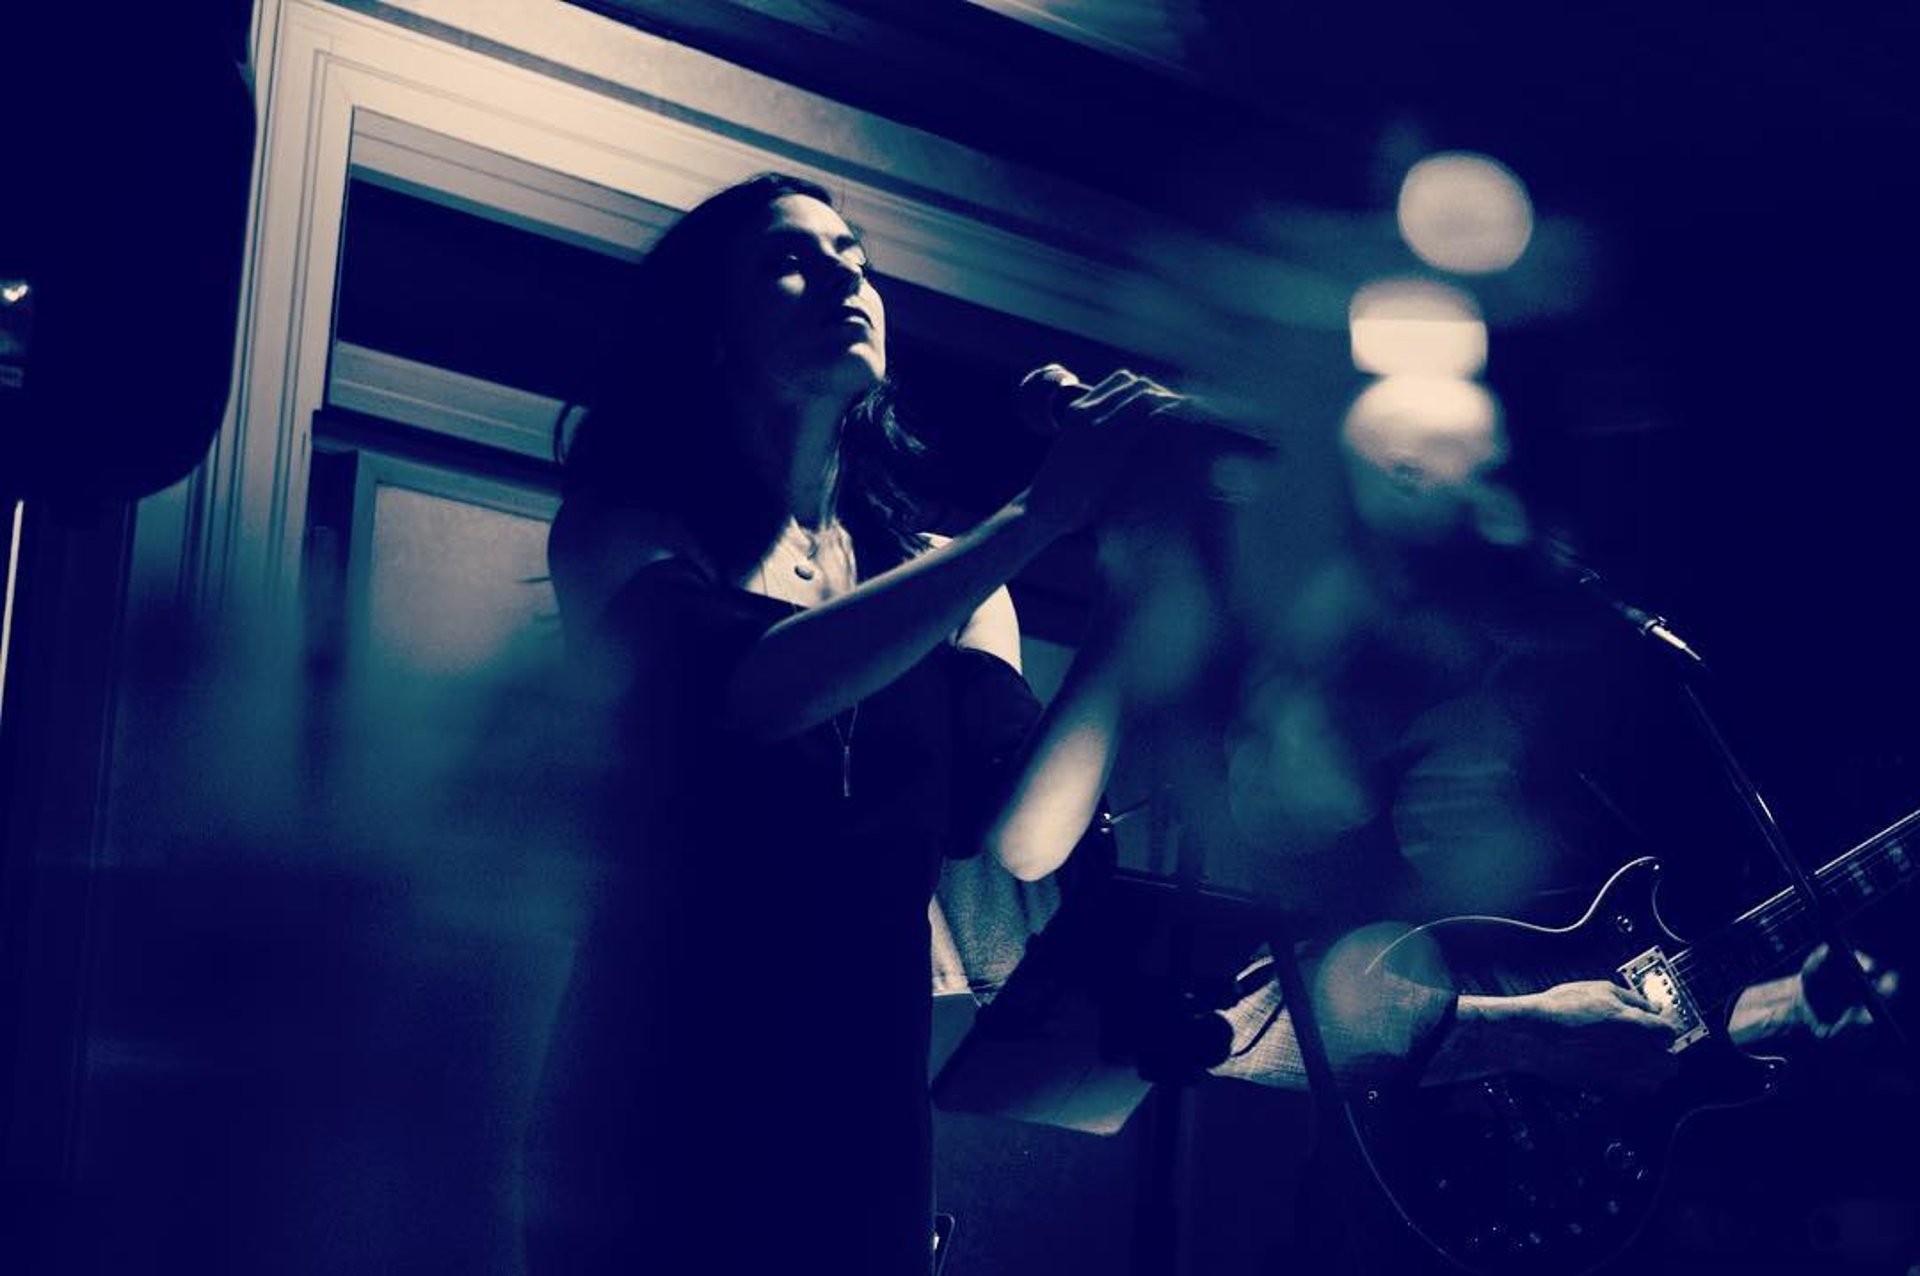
(1465, 213)
(1418, 451)
(1416, 327)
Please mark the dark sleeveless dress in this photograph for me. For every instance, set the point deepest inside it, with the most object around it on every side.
(738, 1079)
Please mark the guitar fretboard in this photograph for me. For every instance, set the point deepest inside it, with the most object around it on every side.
(1778, 930)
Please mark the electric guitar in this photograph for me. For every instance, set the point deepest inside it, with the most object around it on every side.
(1514, 1174)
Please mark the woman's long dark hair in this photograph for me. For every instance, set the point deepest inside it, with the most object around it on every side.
(659, 435)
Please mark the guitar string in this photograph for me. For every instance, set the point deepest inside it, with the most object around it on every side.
(1787, 908)
(1787, 904)
(1769, 936)
(1785, 912)
(1779, 916)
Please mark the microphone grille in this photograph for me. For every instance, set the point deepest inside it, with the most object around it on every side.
(1040, 393)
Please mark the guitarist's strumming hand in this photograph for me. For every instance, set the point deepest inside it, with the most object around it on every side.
(1592, 1033)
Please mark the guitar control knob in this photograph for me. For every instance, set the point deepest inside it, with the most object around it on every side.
(1620, 1157)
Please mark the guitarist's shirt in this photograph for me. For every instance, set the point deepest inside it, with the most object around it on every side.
(1458, 740)
(1460, 746)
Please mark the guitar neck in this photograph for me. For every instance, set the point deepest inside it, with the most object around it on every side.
(1781, 929)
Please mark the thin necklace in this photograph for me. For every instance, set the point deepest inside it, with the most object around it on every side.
(808, 550)
(846, 747)
(805, 571)
(813, 549)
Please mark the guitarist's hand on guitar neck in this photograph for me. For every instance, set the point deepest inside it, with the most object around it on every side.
(1819, 1000)
(1591, 1032)
(1830, 997)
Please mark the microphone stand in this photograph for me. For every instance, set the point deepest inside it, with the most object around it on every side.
(1161, 1216)
(1326, 1243)
(1158, 1223)
(1691, 672)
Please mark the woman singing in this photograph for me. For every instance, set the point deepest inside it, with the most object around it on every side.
(810, 704)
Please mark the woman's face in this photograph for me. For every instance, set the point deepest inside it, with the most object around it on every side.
(801, 318)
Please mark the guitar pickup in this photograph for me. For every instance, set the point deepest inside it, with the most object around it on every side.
(1651, 975)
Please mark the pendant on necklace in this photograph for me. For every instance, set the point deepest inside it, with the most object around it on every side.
(803, 571)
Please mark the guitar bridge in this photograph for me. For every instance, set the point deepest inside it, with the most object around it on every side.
(1651, 975)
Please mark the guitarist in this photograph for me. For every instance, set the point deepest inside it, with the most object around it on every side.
(1416, 742)
(1406, 747)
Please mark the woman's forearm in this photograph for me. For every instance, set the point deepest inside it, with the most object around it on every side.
(1057, 792)
(822, 661)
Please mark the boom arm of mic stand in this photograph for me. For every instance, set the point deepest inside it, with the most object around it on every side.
(1645, 623)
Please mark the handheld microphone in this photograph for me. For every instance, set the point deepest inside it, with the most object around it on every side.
(1043, 395)
(1041, 399)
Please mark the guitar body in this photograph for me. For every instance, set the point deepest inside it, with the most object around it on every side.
(1514, 1173)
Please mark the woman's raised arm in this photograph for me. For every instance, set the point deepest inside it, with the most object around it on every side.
(822, 661)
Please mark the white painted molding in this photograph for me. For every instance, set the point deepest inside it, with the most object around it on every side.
(559, 119)
(1149, 33)
(869, 148)
(445, 402)
(472, 179)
